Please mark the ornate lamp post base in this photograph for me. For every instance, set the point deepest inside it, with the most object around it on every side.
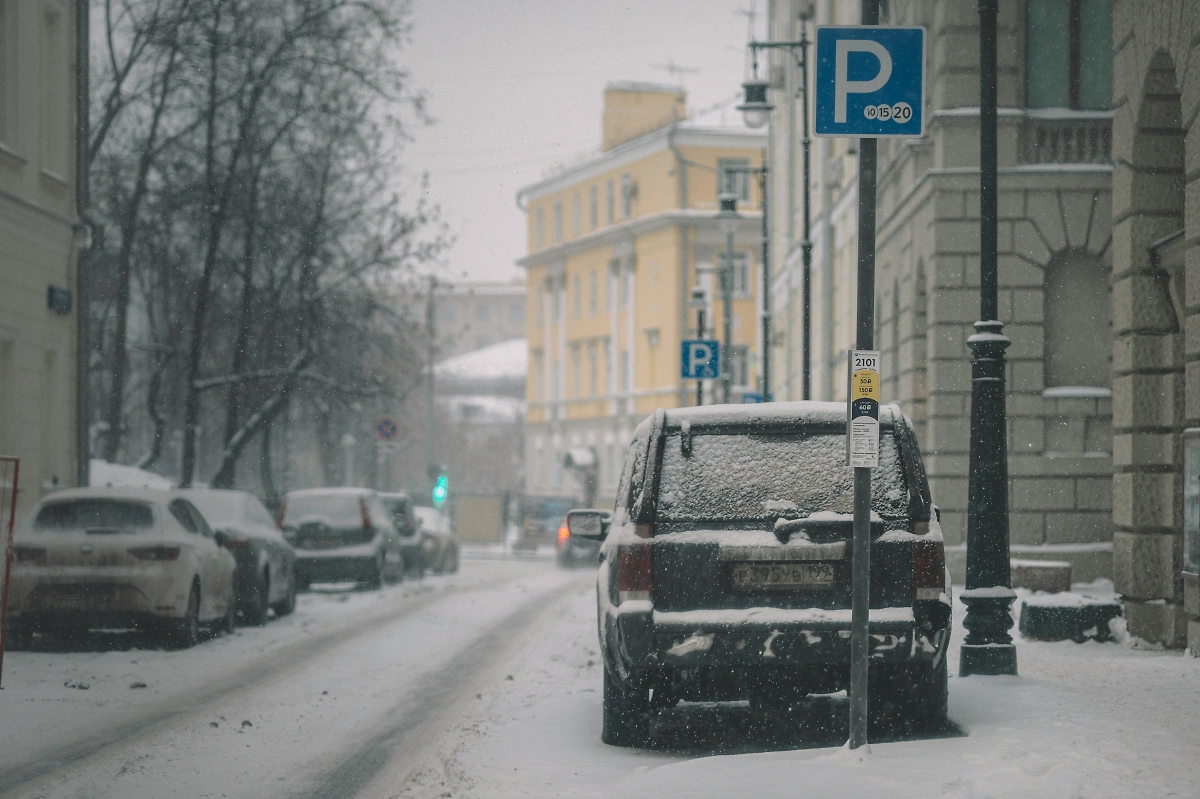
(988, 648)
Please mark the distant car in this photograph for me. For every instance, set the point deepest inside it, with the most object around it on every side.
(120, 557)
(726, 566)
(573, 552)
(342, 534)
(408, 527)
(441, 542)
(266, 576)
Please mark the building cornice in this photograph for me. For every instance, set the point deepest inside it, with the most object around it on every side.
(751, 221)
(681, 135)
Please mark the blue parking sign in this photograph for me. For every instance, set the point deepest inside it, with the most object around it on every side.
(700, 359)
(870, 81)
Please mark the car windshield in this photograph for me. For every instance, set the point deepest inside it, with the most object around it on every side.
(764, 476)
(339, 510)
(218, 508)
(85, 514)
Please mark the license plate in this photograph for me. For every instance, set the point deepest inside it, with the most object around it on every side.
(767, 576)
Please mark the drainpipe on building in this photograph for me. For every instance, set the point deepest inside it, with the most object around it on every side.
(90, 231)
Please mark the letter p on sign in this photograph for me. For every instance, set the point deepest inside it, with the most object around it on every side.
(870, 82)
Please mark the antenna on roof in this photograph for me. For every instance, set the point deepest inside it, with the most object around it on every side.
(675, 70)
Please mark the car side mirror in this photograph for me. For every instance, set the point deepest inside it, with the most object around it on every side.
(588, 524)
(221, 538)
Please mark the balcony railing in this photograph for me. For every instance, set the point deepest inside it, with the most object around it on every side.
(1066, 137)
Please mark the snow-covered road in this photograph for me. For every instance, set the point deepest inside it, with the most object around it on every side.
(487, 684)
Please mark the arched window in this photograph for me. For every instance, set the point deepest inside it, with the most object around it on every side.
(1078, 322)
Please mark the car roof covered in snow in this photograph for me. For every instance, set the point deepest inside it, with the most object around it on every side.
(105, 492)
(770, 414)
(325, 492)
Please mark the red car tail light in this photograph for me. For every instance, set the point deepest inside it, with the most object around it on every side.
(279, 516)
(564, 533)
(366, 514)
(155, 553)
(929, 561)
(29, 554)
(633, 571)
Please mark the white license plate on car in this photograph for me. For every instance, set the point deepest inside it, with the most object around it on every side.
(767, 576)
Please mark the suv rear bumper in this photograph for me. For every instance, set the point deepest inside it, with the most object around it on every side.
(768, 638)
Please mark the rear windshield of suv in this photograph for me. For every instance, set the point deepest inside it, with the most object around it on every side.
(94, 514)
(337, 510)
(764, 476)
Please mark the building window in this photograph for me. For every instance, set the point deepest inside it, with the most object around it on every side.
(576, 215)
(54, 123)
(447, 313)
(592, 288)
(734, 182)
(538, 229)
(1077, 298)
(575, 372)
(539, 375)
(610, 198)
(614, 270)
(593, 372)
(539, 300)
(558, 220)
(10, 86)
(516, 312)
(739, 365)
(624, 370)
(1068, 46)
(576, 290)
(740, 274)
(482, 312)
(626, 196)
(594, 210)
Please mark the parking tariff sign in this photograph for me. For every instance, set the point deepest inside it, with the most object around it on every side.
(870, 81)
(863, 412)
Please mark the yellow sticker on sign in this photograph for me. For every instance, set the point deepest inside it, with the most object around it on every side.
(864, 384)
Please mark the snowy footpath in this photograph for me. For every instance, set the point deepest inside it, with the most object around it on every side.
(487, 684)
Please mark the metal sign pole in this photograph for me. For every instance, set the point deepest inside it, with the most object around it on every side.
(864, 340)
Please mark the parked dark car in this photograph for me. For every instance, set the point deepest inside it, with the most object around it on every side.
(439, 539)
(342, 534)
(725, 567)
(408, 527)
(266, 562)
(573, 551)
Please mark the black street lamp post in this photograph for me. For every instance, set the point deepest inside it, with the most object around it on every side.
(757, 111)
(988, 648)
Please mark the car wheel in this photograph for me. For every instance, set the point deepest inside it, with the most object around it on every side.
(303, 582)
(626, 714)
(912, 697)
(288, 604)
(375, 576)
(229, 623)
(256, 614)
(185, 633)
(419, 567)
(18, 637)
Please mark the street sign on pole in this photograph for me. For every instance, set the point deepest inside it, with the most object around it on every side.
(751, 397)
(386, 429)
(870, 81)
(700, 359)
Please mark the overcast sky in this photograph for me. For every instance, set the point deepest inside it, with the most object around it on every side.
(516, 86)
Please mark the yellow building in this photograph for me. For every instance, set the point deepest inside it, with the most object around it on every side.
(616, 244)
(38, 243)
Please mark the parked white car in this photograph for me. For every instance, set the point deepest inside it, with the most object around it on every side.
(119, 557)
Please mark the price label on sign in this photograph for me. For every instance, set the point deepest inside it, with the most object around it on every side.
(862, 412)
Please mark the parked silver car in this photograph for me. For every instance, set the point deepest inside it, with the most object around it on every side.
(116, 557)
(342, 534)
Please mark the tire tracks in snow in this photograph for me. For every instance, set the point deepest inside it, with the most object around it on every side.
(417, 728)
(277, 664)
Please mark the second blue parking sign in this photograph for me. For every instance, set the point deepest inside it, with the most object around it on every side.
(870, 81)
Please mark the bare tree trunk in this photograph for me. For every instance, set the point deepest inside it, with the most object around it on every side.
(264, 465)
(156, 417)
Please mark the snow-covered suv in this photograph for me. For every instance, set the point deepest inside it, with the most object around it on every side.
(725, 567)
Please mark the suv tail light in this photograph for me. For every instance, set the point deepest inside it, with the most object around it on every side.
(633, 572)
(366, 514)
(155, 553)
(29, 554)
(564, 533)
(929, 561)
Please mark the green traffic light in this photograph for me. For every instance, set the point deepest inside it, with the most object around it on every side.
(440, 489)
